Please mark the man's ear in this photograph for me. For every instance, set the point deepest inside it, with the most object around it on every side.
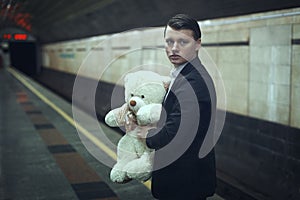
(198, 44)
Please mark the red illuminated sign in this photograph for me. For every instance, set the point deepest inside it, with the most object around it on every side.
(6, 36)
(20, 36)
(17, 36)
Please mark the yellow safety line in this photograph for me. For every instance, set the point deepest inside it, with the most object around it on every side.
(85, 132)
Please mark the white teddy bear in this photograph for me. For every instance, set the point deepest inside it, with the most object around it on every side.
(144, 93)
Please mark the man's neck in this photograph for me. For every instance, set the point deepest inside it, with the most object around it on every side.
(177, 66)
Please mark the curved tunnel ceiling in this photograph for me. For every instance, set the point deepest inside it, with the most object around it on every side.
(50, 20)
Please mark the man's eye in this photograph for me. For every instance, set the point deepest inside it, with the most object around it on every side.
(169, 42)
(183, 42)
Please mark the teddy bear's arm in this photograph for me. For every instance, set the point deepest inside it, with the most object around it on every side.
(116, 117)
(149, 114)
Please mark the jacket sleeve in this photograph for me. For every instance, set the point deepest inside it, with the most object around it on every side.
(179, 121)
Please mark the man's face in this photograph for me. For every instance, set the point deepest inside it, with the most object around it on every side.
(180, 45)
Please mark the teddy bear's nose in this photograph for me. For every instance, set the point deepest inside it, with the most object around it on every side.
(132, 102)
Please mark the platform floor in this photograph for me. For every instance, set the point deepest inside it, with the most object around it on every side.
(41, 153)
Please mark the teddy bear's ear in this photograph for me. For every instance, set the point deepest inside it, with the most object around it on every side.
(127, 76)
(129, 84)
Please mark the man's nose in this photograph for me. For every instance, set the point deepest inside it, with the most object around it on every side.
(175, 47)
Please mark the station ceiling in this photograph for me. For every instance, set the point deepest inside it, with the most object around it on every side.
(58, 20)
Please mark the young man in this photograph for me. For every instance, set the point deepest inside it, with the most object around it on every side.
(179, 173)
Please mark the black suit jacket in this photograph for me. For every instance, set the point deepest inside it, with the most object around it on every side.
(179, 173)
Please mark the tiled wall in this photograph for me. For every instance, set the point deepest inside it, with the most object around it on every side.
(295, 77)
(257, 56)
(270, 66)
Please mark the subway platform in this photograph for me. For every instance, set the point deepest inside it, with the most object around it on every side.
(41, 154)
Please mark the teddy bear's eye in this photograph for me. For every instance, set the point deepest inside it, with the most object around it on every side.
(132, 95)
(143, 96)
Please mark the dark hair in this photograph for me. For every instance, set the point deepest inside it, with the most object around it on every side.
(183, 21)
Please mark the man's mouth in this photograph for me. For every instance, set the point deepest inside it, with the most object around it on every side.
(174, 57)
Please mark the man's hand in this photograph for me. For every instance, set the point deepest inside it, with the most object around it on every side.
(130, 122)
(142, 131)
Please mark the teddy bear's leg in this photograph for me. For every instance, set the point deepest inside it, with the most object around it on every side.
(141, 168)
(118, 175)
(125, 154)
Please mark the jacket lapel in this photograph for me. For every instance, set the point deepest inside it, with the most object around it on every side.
(184, 72)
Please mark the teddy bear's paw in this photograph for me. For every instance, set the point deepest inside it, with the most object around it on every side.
(119, 176)
(138, 171)
(116, 117)
(110, 120)
(140, 176)
(149, 114)
(121, 180)
(126, 180)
